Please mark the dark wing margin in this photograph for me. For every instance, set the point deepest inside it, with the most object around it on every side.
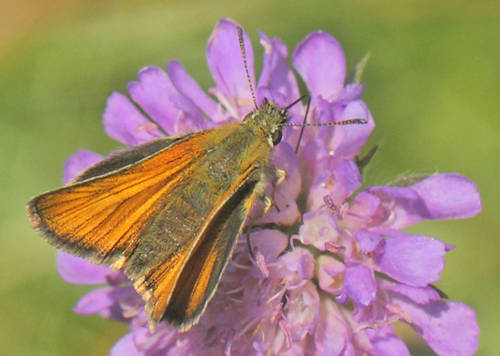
(126, 157)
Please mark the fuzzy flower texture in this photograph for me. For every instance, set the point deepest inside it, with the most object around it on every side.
(333, 270)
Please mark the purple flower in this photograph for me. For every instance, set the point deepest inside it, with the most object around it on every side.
(334, 271)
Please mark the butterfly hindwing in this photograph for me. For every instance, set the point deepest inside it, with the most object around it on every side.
(179, 293)
(203, 270)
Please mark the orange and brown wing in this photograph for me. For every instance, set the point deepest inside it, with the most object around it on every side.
(200, 277)
(102, 218)
(135, 218)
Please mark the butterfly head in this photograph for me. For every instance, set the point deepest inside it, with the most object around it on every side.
(268, 121)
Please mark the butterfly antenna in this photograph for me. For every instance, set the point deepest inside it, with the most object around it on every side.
(244, 56)
(334, 123)
(304, 122)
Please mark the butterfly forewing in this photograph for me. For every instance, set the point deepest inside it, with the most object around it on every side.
(173, 215)
(102, 218)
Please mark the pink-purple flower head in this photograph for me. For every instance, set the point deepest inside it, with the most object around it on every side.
(332, 270)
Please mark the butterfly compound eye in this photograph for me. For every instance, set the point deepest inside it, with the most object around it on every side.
(277, 135)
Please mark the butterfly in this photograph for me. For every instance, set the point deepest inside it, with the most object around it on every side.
(169, 212)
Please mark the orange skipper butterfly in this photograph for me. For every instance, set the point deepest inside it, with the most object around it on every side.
(169, 212)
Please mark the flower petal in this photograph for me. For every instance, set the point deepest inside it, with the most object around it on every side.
(300, 261)
(165, 341)
(359, 285)
(302, 311)
(347, 141)
(399, 207)
(449, 196)
(319, 228)
(79, 271)
(420, 295)
(104, 302)
(347, 180)
(78, 162)
(339, 182)
(364, 207)
(125, 123)
(276, 73)
(386, 342)
(443, 196)
(126, 347)
(351, 92)
(191, 89)
(449, 328)
(332, 331)
(320, 61)
(367, 241)
(415, 260)
(314, 160)
(271, 243)
(330, 274)
(223, 51)
(155, 93)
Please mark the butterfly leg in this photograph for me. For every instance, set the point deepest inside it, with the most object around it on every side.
(278, 178)
(268, 203)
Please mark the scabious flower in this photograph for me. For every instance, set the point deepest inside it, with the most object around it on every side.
(332, 270)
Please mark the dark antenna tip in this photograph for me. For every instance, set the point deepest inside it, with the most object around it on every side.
(244, 56)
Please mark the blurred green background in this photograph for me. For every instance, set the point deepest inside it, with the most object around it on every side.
(433, 86)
